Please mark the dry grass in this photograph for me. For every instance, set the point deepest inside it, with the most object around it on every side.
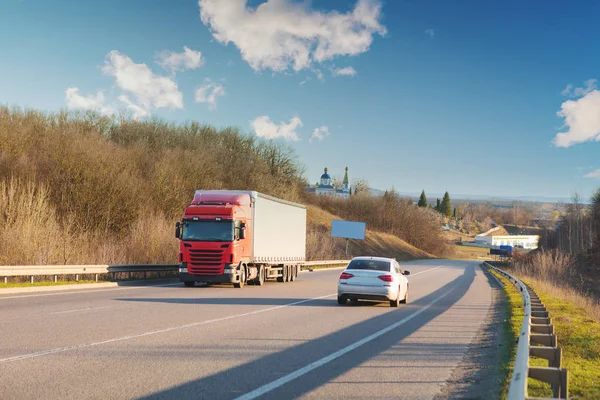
(79, 188)
(552, 290)
(470, 253)
(321, 246)
(391, 214)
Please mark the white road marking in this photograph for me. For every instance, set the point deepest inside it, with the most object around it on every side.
(173, 328)
(319, 363)
(427, 270)
(79, 309)
(90, 291)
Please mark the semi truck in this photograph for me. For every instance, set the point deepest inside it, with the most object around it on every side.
(240, 237)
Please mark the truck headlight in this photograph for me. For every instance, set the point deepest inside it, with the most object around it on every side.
(230, 269)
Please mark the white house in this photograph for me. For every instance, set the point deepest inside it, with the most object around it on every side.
(529, 242)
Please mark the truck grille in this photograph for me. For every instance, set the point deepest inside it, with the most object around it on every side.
(206, 262)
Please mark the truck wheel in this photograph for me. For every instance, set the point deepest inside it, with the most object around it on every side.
(242, 281)
(261, 276)
(189, 284)
(293, 273)
(283, 277)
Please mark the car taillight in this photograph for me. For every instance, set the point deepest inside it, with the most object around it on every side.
(346, 275)
(386, 278)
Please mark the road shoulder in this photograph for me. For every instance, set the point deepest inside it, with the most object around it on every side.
(479, 374)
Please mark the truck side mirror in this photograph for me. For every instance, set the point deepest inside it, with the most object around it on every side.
(242, 233)
(177, 230)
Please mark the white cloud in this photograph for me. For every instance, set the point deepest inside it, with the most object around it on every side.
(347, 71)
(590, 85)
(171, 61)
(282, 34)
(265, 128)
(150, 90)
(582, 117)
(594, 174)
(567, 91)
(208, 93)
(138, 112)
(91, 102)
(430, 32)
(320, 133)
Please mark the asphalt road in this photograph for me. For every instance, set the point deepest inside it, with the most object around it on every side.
(278, 341)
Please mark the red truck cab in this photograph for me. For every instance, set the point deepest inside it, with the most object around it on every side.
(215, 238)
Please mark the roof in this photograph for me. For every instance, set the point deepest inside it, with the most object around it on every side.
(373, 258)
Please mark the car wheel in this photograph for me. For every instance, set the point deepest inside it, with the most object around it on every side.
(189, 284)
(395, 303)
(342, 300)
(405, 297)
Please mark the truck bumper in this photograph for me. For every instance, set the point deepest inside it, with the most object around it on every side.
(225, 278)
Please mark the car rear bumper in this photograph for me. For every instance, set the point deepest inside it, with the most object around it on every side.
(367, 292)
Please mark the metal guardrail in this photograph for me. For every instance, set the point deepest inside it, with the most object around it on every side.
(537, 339)
(55, 270)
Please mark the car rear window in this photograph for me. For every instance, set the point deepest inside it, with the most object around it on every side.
(373, 265)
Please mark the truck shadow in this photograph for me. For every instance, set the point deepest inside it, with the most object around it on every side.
(243, 379)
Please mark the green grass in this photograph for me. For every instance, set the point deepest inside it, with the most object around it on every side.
(513, 318)
(324, 267)
(579, 337)
(28, 284)
(577, 333)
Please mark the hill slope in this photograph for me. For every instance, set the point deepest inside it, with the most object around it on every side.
(320, 245)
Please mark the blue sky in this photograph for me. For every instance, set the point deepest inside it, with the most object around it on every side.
(459, 96)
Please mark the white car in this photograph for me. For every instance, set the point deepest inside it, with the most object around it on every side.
(373, 278)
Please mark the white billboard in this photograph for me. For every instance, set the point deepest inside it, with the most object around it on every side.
(348, 229)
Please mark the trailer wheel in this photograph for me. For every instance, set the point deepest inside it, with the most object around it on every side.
(287, 273)
(189, 284)
(283, 276)
(242, 281)
(293, 273)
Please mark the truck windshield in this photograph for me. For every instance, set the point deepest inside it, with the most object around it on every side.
(208, 231)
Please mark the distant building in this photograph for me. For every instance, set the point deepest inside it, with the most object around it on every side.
(529, 242)
(326, 186)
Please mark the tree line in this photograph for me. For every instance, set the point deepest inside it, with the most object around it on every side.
(443, 207)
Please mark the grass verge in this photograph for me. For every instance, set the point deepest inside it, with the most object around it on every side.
(28, 284)
(578, 334)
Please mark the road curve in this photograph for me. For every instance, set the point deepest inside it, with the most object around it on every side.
(278, 341)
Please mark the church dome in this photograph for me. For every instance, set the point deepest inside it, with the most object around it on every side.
(325, 175)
